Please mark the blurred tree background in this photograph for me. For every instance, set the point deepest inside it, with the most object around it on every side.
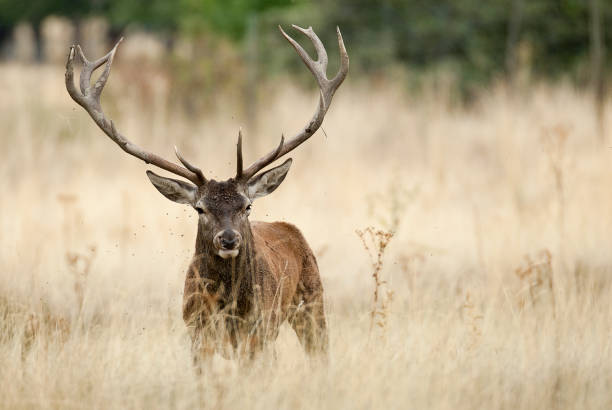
(473, 42)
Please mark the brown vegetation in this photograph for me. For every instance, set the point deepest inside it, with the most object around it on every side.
(499, 265)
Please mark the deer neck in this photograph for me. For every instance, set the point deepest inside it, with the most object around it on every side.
(234, 277)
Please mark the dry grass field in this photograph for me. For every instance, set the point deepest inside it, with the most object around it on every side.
(494, 290)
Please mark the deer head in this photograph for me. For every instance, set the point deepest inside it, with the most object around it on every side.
(223, 207)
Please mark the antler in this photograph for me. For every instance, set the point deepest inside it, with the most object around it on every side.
(89, 99)
(327, 89)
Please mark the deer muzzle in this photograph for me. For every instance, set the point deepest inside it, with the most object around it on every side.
(227, 243)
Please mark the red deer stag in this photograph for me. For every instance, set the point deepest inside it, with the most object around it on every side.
(245, 278)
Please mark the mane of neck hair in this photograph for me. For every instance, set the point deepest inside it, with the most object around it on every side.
(234, 276)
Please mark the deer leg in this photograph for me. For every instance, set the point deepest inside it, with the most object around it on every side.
(202, 349)
(310, 326)
(308, 318)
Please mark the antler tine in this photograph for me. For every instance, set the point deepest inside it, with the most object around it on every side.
(317, 68)
(89, 99)
(261, 163)
(344, 61)
(239, 155)
(189, 166)
(327, 90)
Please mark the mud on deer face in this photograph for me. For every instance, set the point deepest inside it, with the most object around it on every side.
(223, 207)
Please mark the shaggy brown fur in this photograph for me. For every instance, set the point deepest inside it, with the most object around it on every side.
(275, 279)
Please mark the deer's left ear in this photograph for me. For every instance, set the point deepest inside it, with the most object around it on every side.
(266, 182)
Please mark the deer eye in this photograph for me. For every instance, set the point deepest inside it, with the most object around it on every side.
(200, 210)
(248, 209)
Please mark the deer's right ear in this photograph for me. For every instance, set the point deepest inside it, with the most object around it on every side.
(173, 189)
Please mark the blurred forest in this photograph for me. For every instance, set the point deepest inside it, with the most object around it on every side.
(469, 42)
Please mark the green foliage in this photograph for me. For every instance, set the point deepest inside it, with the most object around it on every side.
(12, 12)
(152, 14)
(229, 17)
(467, 38)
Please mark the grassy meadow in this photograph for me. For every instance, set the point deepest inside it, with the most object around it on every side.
(493, 290)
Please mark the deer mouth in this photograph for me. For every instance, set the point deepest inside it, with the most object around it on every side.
(227, 253)
(227, 243)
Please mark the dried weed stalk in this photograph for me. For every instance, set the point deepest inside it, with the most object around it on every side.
(80, 266)
(537, 275)
(554, 140)
(473, 318)
(44, 324)
(411, 265)
(375, 242)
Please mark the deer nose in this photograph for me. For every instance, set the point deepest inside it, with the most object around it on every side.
(229, 243)
(228, 239)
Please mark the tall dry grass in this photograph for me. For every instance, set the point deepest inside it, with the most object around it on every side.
(499, 266)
